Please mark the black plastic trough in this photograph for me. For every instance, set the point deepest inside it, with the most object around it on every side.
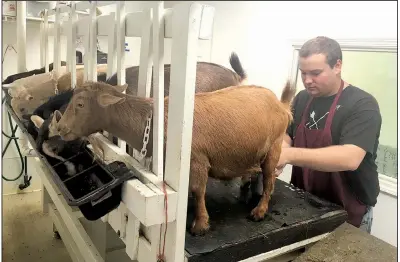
(95, 188)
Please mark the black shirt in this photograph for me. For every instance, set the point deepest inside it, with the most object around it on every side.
(357, 121)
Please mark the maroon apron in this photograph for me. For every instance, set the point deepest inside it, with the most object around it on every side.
(330, 186)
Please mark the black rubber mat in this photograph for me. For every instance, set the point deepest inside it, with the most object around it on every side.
(293, 216)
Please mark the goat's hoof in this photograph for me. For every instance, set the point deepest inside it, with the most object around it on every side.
(199, 228)
(257, 214)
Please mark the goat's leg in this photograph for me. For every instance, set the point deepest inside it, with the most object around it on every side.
(245, 188)
(198, 183)
(268, 167)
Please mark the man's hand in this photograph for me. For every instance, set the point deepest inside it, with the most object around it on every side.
(281, 164)
(326, 159)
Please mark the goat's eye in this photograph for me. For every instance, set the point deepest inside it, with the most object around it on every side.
(80, 105)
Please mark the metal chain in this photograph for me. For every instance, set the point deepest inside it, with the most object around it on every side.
(146, 137)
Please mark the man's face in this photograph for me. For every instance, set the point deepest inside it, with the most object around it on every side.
(318, 77)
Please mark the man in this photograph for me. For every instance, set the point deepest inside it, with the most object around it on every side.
(333, 139)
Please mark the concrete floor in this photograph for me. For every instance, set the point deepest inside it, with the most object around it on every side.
(28, 233)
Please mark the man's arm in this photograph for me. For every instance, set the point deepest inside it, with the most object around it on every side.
(327, 159)
(358, 136)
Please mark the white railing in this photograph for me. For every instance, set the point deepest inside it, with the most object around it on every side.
(143, 199)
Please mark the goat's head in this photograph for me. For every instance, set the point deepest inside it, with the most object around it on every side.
(51, 146)
(86, 112)
(25, 105)
(28, 99)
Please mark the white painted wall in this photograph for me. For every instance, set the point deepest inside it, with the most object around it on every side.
(260, 32)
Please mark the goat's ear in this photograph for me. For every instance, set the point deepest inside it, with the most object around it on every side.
(57, 116)
(37, 120)
(105, 100)
(7, 86)
(121, 88)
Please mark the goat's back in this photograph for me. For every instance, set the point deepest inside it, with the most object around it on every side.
(10, 79)
(236, 126)
(209, 77)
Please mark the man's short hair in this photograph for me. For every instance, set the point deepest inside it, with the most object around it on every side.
(322, 45)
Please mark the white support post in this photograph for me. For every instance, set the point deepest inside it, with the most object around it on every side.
(86, 56)
(93, 42)
(158, 88)
(146, 48)
(56, 42)
(120, 22)
(111, 54)
(46, 41)
(71, 43)
(42, 43)
(186, 29)
(21, 36)
(112, 47)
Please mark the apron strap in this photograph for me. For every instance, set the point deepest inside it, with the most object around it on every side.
(305, 112)
(332, 110)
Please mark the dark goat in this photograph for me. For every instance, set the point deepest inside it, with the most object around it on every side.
(54, 147)
(42, 70)
(46, 110)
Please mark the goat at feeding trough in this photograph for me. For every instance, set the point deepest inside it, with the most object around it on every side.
(29, 99)
(47, 141)
(229, 139)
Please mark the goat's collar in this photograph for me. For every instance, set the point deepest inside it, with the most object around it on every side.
(146, 135)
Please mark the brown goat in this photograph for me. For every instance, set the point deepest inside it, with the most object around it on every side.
(229, 139)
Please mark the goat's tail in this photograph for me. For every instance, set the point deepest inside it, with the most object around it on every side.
(237, 67)
(289, 91)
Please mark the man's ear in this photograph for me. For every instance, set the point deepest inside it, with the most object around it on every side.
(105, 100)
(338, 67)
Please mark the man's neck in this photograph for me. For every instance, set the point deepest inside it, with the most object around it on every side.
(336, 88)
